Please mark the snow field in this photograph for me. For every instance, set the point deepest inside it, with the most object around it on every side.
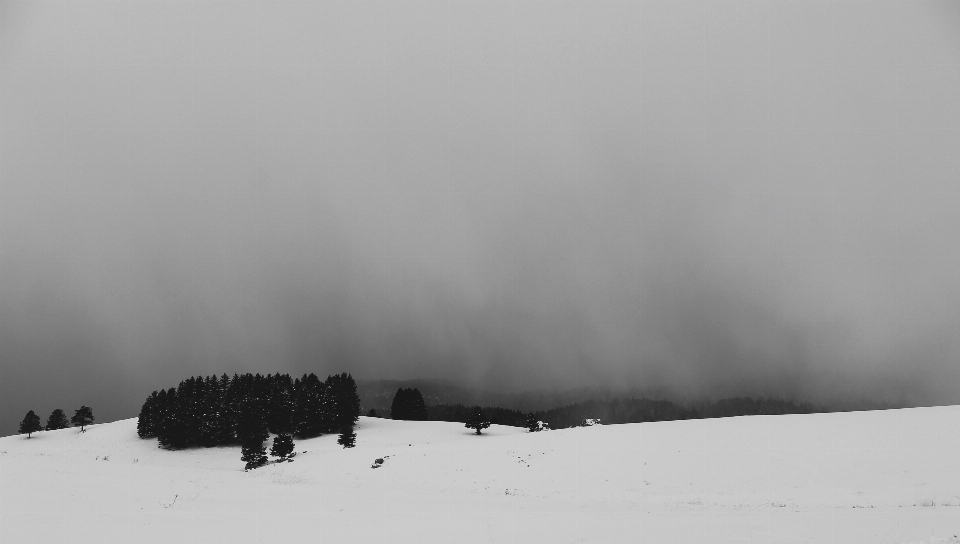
(888, 477)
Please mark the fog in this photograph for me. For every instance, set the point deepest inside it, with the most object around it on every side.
(707, 198)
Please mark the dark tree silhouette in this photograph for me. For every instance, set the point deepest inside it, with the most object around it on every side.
(477, 420)
(57, 420)
(348, 437)
(82, 417)
(280, 404)
(253, 454)
(30, 424)
(206, 412)
(282, 447)
(399, 407)
(311, 409)
(372, 413)
(532, 423)
(167, 422)
(346, 402)
(252, 431)
(146, 427)
(408, 404)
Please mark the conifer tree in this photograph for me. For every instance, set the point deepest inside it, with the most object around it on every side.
(418, 409)
(282, 447)
(190, 411)
(146, 425)
(532, 424)
(252, 431)
(311, 412)
(218, 426)
(477, 420)
(345, 401)
(408, 404)
(82, 417)
(347, 437)
(166, 423)
(280, 404)
(398, 408)
(30, 424)
(57, 420)
(253, 454)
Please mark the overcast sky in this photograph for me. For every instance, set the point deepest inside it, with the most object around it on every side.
(715, 198)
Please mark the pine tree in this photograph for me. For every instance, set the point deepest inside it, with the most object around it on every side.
(253, 454)
(218, 425)
(418, 409)
(280, 404)
(82, 417)
(398, 408)
(346, 402)
(477, 420)
(311, 415)
(146, 424)
(190, 411)
(30, 424)
(347, 437)
(532, 424)
(252, 431)
(57, 420)
(167, 424)
(408, 404)
(282, 447)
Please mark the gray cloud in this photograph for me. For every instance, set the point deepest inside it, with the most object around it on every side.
(712, 198)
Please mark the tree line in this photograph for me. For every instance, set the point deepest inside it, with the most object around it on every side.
(244, 409)
(82, 417)
(614, 411)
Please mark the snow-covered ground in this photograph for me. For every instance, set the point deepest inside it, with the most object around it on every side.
(870, 477)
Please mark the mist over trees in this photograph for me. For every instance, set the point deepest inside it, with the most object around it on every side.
(211, 411)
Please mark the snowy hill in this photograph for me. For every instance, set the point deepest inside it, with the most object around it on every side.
(877, 477)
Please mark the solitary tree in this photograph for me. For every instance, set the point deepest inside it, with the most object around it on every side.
(348, 437)
(30, 424)
(372, 413)
(57, 420)
(282, 447)
(82, 417)
(477, 420)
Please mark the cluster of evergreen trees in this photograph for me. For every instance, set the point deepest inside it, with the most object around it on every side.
(215, 411)
(57, 420)
(408, 404)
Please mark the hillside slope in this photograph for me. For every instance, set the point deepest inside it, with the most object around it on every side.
(889, 476)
